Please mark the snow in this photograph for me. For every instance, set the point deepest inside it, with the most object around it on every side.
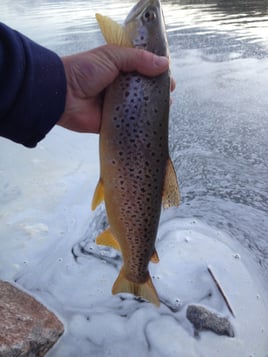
(46, 216)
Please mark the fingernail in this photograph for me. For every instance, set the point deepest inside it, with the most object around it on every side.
(160, 61)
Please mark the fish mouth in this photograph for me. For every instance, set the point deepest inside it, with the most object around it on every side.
(138, 9)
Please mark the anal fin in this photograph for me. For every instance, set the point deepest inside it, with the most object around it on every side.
(108, 239)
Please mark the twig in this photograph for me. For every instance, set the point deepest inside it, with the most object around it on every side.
(221, 291)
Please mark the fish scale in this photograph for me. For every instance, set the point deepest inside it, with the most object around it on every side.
(136, 173)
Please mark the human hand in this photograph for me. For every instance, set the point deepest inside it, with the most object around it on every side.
(89, 73)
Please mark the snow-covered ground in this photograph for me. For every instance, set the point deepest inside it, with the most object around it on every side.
(45, 223)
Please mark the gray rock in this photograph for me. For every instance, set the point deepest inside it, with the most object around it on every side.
(203, 319)
(27, 328)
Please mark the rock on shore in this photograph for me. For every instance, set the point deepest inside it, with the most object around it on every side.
(27, 328)
(203, 319)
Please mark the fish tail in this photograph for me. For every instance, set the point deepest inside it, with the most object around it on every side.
(145, 290)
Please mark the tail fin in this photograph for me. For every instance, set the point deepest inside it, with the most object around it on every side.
(145, 290)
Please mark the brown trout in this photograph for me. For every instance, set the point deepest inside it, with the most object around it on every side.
(136, 173)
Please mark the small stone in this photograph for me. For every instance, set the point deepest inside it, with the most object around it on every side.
(236, 256)
(203, 319)
(27, 328)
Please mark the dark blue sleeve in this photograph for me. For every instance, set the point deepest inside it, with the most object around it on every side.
(32, 88)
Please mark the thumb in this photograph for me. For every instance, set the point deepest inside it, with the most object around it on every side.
(144, 62)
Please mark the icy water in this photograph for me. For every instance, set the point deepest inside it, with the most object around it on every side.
(219, 146)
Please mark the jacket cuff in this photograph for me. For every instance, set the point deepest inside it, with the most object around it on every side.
(35, 84)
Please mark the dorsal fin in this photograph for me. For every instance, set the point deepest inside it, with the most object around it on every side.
(113, 33)
(171, 195)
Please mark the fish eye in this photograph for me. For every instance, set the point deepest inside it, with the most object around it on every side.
(149, 15)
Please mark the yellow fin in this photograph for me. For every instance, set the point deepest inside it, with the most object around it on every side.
(144, 290)
(108, 239)
(98, 195)
(154, 257)
(171, 194)
(113, 33)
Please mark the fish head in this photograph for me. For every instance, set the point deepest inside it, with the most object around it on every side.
(145, 27)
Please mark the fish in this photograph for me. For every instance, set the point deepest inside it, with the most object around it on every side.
(137, 176)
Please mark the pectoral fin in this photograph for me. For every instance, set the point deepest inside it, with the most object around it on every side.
(144, 290)
(171, 195)
(113, 33)
(98, 195)
(108, 239)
